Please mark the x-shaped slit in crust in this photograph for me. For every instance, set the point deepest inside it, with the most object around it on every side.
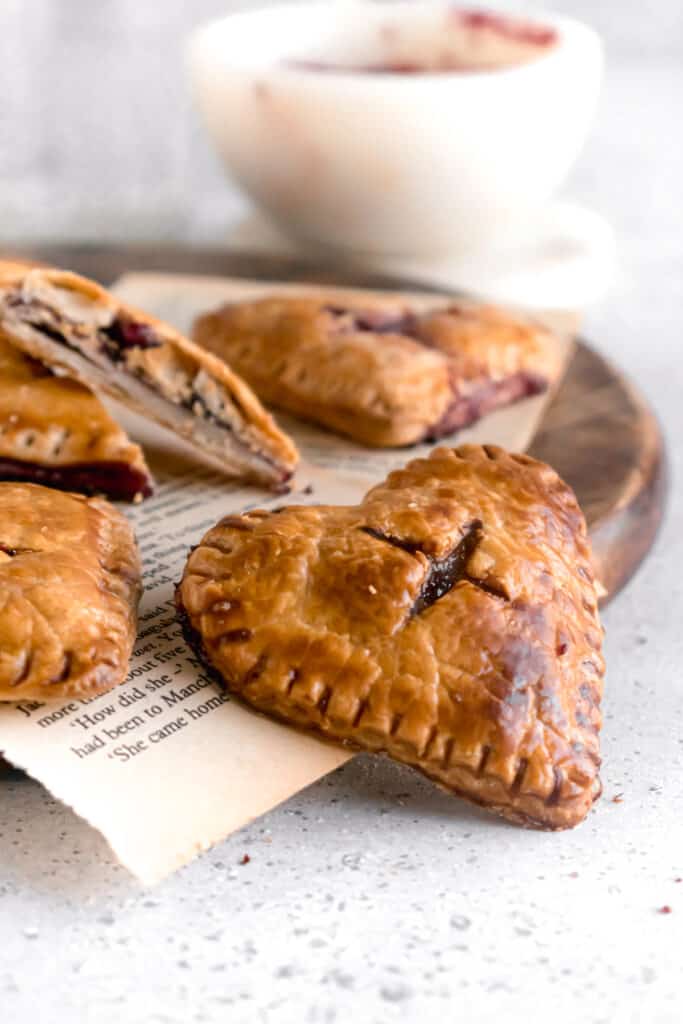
(443, 573)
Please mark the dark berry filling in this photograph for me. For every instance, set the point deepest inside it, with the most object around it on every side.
(445, 572)
(117, 480)
(124, 334)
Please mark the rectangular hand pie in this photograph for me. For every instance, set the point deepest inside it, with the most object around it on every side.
(54, 431)
(74, 326)
(449, 620)
(69, 590)
(377, 370)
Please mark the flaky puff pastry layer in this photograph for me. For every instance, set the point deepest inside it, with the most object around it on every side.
(77, 328)
(449, 620)
(69, 590)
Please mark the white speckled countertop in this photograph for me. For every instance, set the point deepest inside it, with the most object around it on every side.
(372, 895)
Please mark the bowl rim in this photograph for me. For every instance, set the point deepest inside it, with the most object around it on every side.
(574, 35)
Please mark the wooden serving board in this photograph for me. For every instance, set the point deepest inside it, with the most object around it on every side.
(598, 432)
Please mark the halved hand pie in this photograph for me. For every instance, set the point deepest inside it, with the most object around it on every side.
(54, 431)
(449, 620)
(71, 324)
(69, 590)
(377, 370)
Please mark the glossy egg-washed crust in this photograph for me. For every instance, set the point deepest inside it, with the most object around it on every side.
(73, 325)
(54, 431)
(449, 620)
(69, 591)
(376, 368)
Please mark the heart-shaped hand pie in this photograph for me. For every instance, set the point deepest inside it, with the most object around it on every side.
(69, 590)
(449, 620)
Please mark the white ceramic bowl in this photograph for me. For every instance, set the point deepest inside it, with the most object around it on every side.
(391, 164)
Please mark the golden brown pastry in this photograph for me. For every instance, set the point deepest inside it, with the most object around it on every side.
(69, 590)
(54, 431)
(73, 325)
(449, 620)
(377, 370)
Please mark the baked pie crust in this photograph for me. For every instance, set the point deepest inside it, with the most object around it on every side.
(377, 370)
(449, 620)
(54, 431)
(69, 590)
(74, 326)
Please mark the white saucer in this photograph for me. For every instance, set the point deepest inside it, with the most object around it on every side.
(568, 262)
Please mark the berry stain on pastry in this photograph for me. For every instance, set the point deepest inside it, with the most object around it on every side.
(376, 370)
